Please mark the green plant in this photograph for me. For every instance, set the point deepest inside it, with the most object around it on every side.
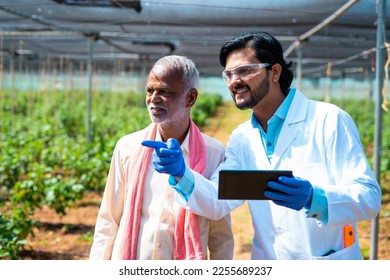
(46, 160)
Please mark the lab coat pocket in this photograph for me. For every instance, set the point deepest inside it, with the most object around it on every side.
(350, 253)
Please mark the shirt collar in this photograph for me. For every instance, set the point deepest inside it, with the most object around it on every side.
(281, 112)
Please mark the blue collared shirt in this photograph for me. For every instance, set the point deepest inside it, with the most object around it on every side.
(275, 124)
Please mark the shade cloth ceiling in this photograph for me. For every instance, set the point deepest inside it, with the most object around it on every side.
(139, 32)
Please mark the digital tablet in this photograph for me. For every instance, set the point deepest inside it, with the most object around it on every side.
(247, 184)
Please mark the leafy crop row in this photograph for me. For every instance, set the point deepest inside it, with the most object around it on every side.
(45, 158)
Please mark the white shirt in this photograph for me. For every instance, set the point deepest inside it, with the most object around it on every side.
(158, 212)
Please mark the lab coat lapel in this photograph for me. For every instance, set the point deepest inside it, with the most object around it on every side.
(256, 152)
(291, 127)
(262, 156)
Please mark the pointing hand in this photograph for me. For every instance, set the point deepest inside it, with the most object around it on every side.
(167, 157)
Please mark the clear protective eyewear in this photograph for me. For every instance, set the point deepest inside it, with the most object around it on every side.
(242, 71)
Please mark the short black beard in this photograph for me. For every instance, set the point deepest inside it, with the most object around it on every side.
(255, 97)
(245, 106)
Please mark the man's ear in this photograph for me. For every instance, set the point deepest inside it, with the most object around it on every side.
(191, 97)
(276, 72)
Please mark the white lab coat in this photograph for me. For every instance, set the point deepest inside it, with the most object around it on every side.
(318, 142)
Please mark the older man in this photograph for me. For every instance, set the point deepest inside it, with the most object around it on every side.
(138, 218)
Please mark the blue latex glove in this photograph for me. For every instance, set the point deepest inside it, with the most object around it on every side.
(167, 157)
(291, 192)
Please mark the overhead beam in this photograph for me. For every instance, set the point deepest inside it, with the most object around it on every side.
(40, 33)
(319, 27)
(338, 62)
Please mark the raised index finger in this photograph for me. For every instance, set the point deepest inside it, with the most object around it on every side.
(154, 144)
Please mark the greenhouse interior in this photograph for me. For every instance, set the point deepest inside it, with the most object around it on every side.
(69, 67)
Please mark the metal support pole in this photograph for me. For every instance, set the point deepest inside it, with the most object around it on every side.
(12, 70)
(380, 59)
(142, 78)
(320, 26)
(91, 40)
(299, 66)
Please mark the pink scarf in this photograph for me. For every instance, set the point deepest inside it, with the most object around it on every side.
(187, 233)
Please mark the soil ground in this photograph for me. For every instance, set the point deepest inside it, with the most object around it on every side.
(69, 237)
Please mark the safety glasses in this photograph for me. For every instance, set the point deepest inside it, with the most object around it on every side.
(243, 71)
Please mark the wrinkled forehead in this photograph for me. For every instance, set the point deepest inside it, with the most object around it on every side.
(164, 76)
(165, 71)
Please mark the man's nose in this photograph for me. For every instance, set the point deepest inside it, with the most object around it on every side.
(234, 77)
(154, 96)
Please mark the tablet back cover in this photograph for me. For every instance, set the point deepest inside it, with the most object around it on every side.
(246, 184)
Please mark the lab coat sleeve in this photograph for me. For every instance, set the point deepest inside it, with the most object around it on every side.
(204, 197)
(355, 194)
(110, 211)
(204, 201)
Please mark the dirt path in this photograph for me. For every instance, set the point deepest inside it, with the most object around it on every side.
(70, 237)
(220, 127)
